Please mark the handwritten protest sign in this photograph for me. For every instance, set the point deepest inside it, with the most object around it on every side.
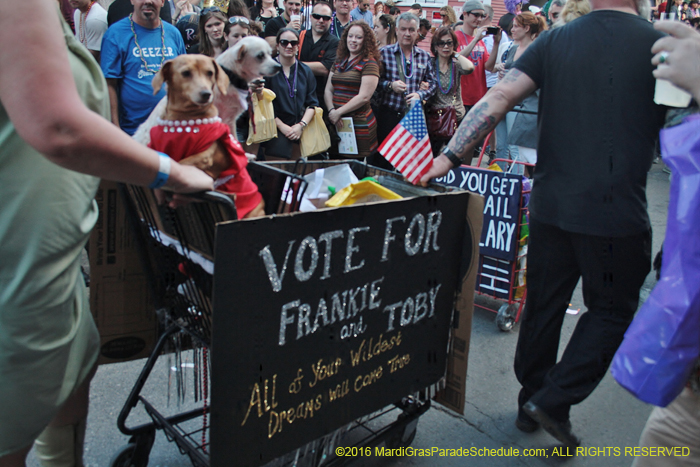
(501, 208)
(326, 316)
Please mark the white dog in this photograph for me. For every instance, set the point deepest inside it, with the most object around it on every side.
(248, 60)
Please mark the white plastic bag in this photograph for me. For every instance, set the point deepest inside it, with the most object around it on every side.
(337, 176)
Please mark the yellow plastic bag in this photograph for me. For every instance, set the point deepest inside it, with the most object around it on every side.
(264, 115)
(315, 138)
(365, 191)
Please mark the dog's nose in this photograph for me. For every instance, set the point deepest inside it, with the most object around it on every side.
(205, 95)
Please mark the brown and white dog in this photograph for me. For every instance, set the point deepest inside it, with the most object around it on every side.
(248, 60)
(191, 132)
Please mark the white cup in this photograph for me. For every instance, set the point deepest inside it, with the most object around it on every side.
(666, 93)
(293, 18)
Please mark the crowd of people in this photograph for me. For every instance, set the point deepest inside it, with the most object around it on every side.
(457, 72)
(587, 210)
(489, 49)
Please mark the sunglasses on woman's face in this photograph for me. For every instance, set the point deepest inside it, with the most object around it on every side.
(238, 19)
(320, 17)
(286, 43)
(445, 43)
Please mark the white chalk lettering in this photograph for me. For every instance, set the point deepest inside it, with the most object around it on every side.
(285, 320)
(301, 274)
(328, 238)
(351, 248)
(412, 310)
(388, 237)
(273, 275)
(419, 221)
(374, 293)
(345, 306)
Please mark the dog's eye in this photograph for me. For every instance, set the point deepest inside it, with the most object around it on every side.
(187, 73)
(210, 73)
(261, 56)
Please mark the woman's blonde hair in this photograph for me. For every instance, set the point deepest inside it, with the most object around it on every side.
(449, 12)
(572, 9)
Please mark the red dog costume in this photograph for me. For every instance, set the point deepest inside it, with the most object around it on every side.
(180, 139)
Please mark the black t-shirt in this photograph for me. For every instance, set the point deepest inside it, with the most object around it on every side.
(274, 25)
(255, 15)
(324, 51)
(597, 123)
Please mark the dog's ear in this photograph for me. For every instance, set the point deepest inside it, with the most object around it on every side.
(241, 53)
(163, 76)
(222, 80)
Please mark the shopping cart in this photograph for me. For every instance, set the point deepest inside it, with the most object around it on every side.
(177, 249)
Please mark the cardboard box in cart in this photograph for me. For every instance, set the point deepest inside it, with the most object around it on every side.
(120, 298)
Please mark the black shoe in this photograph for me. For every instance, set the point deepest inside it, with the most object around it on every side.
(525, 423)
(560, 430)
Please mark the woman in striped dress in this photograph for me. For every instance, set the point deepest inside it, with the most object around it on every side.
(352, 82)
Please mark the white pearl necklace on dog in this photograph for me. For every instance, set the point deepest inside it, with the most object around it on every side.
(187, 126)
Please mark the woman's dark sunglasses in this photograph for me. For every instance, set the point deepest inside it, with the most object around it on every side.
(444, 43)
(323, 17)
(287, 43)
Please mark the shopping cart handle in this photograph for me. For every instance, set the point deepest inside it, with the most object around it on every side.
(214, 197)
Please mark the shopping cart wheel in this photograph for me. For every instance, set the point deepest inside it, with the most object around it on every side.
(403, 438)
(136, 453)
(124, 457)
(505, 318)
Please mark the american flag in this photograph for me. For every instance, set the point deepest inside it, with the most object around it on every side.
(407, 147)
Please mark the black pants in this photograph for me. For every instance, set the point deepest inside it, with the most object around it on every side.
(387, 120)
(613, 270)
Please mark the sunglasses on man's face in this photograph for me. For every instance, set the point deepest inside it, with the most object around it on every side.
(320, 17)
(445, 43)
(478, 15)
(286, 43)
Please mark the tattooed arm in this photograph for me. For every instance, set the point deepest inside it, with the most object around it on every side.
(482, 118)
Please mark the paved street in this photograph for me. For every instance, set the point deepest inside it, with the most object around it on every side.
(609, 418)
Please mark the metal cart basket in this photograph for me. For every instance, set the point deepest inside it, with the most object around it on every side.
(178, 252)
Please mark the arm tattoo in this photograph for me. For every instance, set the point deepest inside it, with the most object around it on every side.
(474, 126)
(512, 76)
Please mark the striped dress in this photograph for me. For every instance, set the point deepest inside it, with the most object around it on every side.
(346, 80)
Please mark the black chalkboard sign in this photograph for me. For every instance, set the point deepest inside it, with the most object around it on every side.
(326, 316)
(501, 208)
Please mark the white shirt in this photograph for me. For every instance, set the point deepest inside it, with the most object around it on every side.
(90, 34)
